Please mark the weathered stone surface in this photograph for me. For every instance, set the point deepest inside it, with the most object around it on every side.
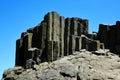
(66, 36)
(85, 26)
(78, 43)
(35, 37)
(81, 65)
(74, 27)
(103, 34)
(52, 50)
(34, 54)
(19, 52)
(109, 35)
(27, 44)
(29, 63)
(56, 37)
(62, 26)
(92, 36)
(89, 44)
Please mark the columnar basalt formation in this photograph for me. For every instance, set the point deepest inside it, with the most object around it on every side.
(57, 36)
(109, 35)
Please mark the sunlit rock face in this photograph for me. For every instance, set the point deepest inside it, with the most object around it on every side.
(53, 38)
(61, 48)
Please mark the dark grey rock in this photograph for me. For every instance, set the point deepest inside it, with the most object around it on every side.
(29, 63)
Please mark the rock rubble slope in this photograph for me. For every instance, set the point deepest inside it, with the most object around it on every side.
(82, 65)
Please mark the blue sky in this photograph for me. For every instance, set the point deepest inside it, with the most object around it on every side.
(17, 16)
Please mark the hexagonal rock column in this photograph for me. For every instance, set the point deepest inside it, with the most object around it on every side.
(52, 50)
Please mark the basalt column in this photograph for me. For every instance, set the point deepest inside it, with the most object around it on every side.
(55, 35)
(67, 35)
(42, 37)
(61, 38)
(103, 34)
(73, 33)
(78, 43)
(56, 31)
(27, 44)
(117, 46)
(35, 37)
(19, 52)
(22, 46)
(118, 32)
(85, 26)
(112, 37)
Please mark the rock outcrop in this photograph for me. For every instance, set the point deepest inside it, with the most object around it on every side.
(82, 65)
(62, 49)
(109, 35)
(53, 38)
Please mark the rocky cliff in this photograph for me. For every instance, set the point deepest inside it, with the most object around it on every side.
(54, 38)
(61, 48)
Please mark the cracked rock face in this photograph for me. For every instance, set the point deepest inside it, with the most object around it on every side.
(82, 65)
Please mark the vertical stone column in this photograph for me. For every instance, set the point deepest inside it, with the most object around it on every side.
(52, 50)
(85, 26)
(75, 25)
(118, 32)
(71, 44)
(112, 36)
(35, 37)
(55, 26)
(27, 44)
(78, 43)
(48, 19)
(103, 33)
(62, 26)
(72, 26)
(56, 29)
(117, 46)
(80, 29)
(73, 33)
(66, 36)
(18, 52)
(42, 36)
(55, 50)
(83, 40)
